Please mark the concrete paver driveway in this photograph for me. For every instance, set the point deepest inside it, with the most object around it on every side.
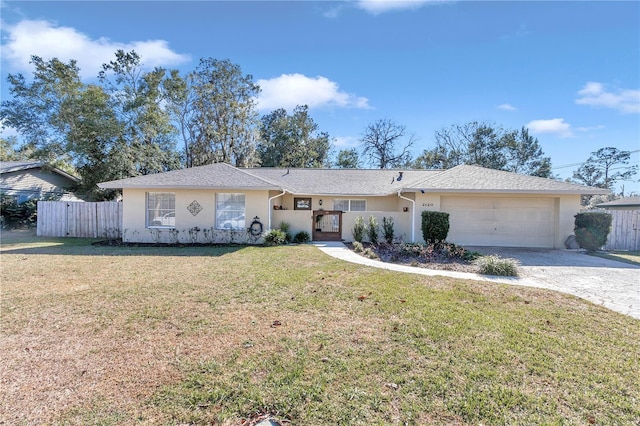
(615, 285)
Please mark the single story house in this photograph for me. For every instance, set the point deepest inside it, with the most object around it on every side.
(25, 180)
(625, 223)
(220, 202)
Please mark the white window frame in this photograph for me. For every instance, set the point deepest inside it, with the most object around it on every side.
(349, 204)
(163, 216)
(228, 214)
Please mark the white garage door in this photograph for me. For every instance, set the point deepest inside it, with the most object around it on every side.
(506, 222)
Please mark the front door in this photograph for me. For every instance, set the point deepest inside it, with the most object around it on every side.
(327, 225)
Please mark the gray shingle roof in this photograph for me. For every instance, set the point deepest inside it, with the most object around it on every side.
(622, 202)
(349, 182)
(342, 181)
(467, 178)
(219, 175)
(12, 166)
(15, 166)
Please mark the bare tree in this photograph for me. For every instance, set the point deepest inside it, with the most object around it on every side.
(381, 143)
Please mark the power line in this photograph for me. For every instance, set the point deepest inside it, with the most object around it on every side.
(581, 163)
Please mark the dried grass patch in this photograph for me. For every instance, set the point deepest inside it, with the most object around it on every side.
(108, 335)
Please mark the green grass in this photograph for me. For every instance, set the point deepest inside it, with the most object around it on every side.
(218, 335)
(632, 257)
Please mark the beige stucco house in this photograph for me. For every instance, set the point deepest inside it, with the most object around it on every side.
(219, 202)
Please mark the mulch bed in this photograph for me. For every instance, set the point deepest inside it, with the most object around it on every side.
(387, 253)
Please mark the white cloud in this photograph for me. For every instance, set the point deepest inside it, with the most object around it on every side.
(376, 7)
(554, 125)
(346, 142)
(290, 90)
(44, 39)
(590, 128)
(595, 94)
(333, 12)
(507, 107)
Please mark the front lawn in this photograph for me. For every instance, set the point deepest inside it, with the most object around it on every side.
(632, 257)
(222, 335)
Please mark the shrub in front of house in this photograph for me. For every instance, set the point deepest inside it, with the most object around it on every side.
(275, 237)
(387, 229)
(370, 253)
(284, 227)
(496, 265)
(358, 229)
(358, 247)
(372, 230)
(302, 237)
(435, 227)
(592, 229)
(18, 214)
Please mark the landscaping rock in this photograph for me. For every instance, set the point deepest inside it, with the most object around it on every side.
(571, 243)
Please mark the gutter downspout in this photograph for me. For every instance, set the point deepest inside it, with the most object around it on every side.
(413, 216)
(270, 207)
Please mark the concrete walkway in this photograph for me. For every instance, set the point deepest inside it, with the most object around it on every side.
(614, 285)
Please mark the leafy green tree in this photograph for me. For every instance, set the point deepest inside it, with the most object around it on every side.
(216, 110)
(41, 110)
(137, 99)
(348, 159)
(524, 154)
(381, 143)
(488, 146)
(292, 140)
(10, 150)
(109, 131)
(99, 149)
(605, 167)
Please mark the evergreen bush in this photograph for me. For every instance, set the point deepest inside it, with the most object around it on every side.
(284, 227)
(358, 229)
(372, 230)
(302, 237)
(592, 229)
(387, 229)
(435, 227)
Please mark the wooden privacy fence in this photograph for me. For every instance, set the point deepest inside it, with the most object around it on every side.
(624, 230)
(79, 219)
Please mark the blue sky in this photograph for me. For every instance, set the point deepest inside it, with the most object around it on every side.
(569, 71)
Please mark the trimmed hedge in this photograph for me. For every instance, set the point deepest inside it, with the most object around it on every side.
(435, 227)
(592, 229)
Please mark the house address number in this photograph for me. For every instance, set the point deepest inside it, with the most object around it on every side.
(427, 204)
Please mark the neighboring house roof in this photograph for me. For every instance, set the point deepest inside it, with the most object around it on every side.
(347, 182)
(16, 166)
(33, 179)
(468, 178)
(622, 202)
